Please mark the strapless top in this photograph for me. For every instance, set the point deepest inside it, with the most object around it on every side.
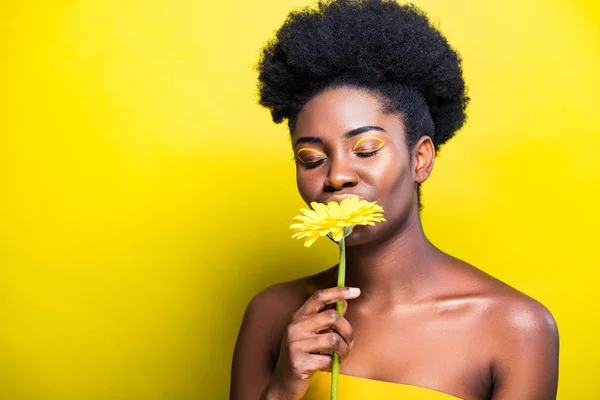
(354, 388)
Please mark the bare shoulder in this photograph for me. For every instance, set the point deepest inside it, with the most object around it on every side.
(522, 333)
(524, 346)
(271, 310)
(521, 315)
(283, 299)
(505, 307)
(521, 323)
(514, 311)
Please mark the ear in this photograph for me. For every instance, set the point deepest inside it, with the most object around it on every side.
(423, 158)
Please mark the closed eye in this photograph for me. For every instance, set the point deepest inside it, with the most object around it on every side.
(367, 154)
(368, 146)
(313, 164)
(310, 157)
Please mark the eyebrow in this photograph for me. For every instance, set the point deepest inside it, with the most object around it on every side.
(363, 129)
(308, 139)
(348, 135)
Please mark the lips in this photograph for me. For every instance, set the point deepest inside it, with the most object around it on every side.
(339, 197)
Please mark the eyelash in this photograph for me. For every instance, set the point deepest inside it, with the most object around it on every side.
(310, 165)
(367, 154)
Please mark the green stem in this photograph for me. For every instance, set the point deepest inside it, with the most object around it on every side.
(339, 306)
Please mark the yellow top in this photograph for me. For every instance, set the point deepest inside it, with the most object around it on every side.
(353, 388)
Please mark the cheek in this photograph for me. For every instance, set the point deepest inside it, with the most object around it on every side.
(306, 186)
(396, 187)
(394, 174)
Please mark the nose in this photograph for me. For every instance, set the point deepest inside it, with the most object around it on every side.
(340, 176)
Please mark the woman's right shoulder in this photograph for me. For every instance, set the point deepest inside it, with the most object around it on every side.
(269, 313)
(281, 300)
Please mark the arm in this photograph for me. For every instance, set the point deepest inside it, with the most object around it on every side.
(526, 365)
(253, 358)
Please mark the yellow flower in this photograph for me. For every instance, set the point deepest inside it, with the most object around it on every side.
(333, 218)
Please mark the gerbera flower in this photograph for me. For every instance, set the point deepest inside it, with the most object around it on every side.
(334, 219)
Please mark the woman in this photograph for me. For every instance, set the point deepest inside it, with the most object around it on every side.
(371, 90)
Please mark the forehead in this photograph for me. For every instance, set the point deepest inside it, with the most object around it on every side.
(339, 110)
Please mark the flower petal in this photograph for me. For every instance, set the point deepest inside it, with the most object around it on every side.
(309, 241)
(334, 219)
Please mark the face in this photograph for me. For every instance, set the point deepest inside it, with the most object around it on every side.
(345, 145)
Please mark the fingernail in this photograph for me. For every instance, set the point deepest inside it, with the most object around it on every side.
(354, 290)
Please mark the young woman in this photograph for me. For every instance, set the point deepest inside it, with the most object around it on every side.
(371, 90)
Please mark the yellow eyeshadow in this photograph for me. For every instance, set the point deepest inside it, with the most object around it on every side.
(307, 149)
(382, 142)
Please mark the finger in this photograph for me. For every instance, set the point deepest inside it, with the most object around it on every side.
(334, 306)
(315, 362)
(324, 343)
(323, 321)
(323, 297)
(322, 363)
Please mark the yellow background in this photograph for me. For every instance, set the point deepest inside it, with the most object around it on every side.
(145, 197)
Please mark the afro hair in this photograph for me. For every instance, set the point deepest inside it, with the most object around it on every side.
(379, 45)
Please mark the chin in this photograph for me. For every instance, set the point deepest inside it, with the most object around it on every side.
(361, 235)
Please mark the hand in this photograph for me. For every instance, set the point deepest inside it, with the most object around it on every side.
(312, 337)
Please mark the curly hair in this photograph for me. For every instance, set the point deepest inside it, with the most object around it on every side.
(378, 45)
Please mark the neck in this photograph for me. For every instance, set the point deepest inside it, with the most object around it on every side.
(394, 272)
